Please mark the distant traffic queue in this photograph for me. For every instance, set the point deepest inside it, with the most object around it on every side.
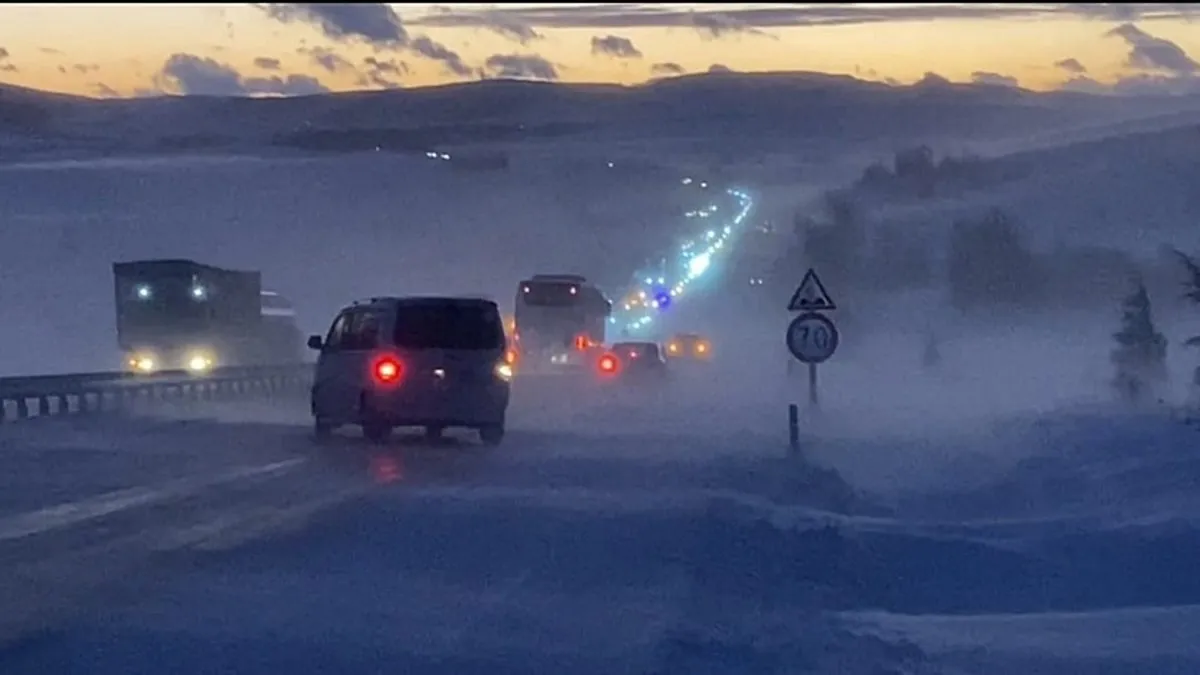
(183, 315)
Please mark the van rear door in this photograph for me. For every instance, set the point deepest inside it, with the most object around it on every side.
(451, 344)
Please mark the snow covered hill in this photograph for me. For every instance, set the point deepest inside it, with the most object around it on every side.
(774, 109)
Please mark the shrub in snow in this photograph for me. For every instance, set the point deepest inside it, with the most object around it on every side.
(1140, 356)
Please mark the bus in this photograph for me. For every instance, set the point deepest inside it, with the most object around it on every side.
(560, 319)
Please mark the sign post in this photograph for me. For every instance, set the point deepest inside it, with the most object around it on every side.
(812, 338)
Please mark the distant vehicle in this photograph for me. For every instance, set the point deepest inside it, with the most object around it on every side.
(633, 361)
(561, 319)
(183, 315)
(432, 362)
(689, 346)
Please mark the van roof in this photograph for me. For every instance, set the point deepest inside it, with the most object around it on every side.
(425, 300)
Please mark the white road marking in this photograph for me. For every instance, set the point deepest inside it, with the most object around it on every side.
(72, 513)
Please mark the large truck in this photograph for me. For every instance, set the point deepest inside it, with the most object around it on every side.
(183, 315)
(560, 319)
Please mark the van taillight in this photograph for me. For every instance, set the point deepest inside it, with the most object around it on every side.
(387, 370)
(608, 363)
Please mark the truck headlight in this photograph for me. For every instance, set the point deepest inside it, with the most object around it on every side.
(199, 363)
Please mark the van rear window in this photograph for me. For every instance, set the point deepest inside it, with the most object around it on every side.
(449, 325)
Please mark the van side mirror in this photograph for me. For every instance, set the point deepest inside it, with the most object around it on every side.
(314, 342)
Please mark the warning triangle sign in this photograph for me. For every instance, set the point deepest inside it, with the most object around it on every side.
(811, 295)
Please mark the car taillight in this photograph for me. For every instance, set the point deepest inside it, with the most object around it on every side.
(387, 370)
(608, 363)
(581, 342)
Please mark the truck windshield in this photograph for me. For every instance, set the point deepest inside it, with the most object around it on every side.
(550, 294)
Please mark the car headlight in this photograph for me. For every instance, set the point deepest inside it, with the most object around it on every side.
(199, 363)
(504, 371)
(142, 363)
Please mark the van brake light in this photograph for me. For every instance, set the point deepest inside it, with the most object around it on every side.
(387, 370)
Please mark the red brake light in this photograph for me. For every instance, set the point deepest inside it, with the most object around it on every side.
(387, 370)
(581, 342)
(608, 363)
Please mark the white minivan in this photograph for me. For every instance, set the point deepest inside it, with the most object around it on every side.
(432, 362)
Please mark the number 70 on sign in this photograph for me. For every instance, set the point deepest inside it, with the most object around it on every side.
(812, 338)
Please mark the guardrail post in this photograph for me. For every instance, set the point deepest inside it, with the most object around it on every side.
(794, 428)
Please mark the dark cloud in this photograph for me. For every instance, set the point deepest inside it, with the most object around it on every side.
(374, 23)
(193, 75)
(719, 68)
(267, 63)
(1149, 84)
(1164, 68)
(292, 85)
(1147, 52)
(6, 64)
(521, 66)
(1121, 11)
(752, 18)
(326, 58)
(104, 91)
(716, 25)
(1071, 66)
(615, 46)
(994, 79)
(496, 21)
(860, 72)
(49, 50)
(668, 68)
(932, 80)
(390, 66)
(1085, 85)
(382, 73)
(436, 51)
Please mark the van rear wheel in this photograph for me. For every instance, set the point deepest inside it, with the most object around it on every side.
(491, 435)
(322, 429)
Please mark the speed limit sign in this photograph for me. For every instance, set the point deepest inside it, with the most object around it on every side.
(812, 338)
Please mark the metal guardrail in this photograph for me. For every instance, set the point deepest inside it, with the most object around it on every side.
(81, 393)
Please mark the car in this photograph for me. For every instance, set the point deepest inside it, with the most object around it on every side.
(432, 362)
(632, 361)
(689, 346)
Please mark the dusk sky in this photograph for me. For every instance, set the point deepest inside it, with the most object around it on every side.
(298, 48)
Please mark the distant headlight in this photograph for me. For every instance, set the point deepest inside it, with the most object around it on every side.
(142, 364)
